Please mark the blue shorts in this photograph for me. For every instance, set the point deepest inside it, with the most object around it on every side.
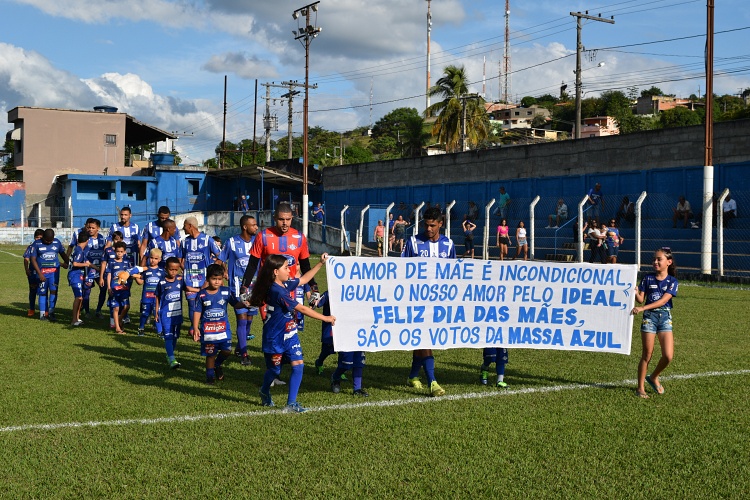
(354, 359)
(250, 311)
(33, 279)
(657, 320)
(209, 349)
(612, 250)
(292, 352)
(495, 354)
(170, 327)
(52, 280)
(76, 283)
(119, 299)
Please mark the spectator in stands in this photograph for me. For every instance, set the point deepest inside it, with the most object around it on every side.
(596, 200)
(729, 208)
(560, 215)
(378, 236)
(522, 242)
(318, 213)
(391, 237)
(243, 204)
(503, 201)
(596, 242)
(468, 227)
(626, 211)
(682, 212)
(399, 232)
(473, 212)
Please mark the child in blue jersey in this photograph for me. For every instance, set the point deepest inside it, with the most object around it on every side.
(119, 292)
(499, 356)
(430, 243)
(149, 278)
(354, 361)
(79, 265)
(169, 293)
(45, 260)
(211, 322)
(274, 289)
(657, 290)
(31, 275)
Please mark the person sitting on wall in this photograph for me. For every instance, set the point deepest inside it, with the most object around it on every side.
(682, 212)
(729, 209)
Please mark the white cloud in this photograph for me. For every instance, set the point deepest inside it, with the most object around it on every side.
(242, 64)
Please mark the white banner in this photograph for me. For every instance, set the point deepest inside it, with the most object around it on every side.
(424, 303)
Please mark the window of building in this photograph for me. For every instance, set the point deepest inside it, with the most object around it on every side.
(194, 187)
(110, 139)
(516, 113)
(133, 191)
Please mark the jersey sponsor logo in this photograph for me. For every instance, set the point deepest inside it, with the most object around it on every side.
(276, 359)
(195, 257)
(209, 349)
(49, 255)
(150, 295)
(173, 296)
(206, 302)
(214, 326)
(49, 270)
(214, 313)
(296, 236)
(289, 259)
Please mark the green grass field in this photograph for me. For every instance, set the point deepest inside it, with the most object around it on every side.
(87, 413)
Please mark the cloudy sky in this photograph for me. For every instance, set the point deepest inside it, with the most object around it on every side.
(164, 61)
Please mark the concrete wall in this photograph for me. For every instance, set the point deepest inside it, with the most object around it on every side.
(659, 149)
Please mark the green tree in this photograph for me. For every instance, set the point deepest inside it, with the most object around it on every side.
(453, 88)
(539, 121)
(177, 159)
(652, 92)
(528, 101)
(9, 167)
(679, 117)
(415, 137)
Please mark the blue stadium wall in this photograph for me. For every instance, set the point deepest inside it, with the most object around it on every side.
(12, 200)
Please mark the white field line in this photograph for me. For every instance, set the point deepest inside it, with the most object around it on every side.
(12, 254)
(354, 406)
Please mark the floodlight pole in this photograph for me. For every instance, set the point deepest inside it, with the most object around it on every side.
(708, 169)
(306, 36)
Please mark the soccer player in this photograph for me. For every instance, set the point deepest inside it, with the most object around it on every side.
(198, 252)
(95, 255)
(354, 361)
(235, 254)
(119, 291)
(275, 288)
(78, 267)
(45, 260)
(657, 290)
(150, 278)
(166, 242)
(430, 243)
(31, 275)
(130, 234)
(211, 322)
(499, 356)
(152, 230)
(169, 306)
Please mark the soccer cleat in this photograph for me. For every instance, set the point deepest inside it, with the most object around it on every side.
(77, 323)
(250, 336)
(173, 363)
(436, 390)
(141, 332)
(245, 361)
(238, 353)
(210, 380)
(319, 367)
(294, 408)
(361, 393)
(52, 317)
(219, 373)
(414, 382)
(43, 317)
(31, 313)
(126, 319)
(343, 377)
(335, 386)
(99, 314)
(501, 384)
(265, 399)
(483, 378)
(277, 381)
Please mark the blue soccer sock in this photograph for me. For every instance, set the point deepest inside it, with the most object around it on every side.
(429, 368)
(500, 368)
(357, 378)
(242, 335)
(85, 305)
(169, 346)
(52, 302)
(416, 364)
(325, 351)
(102, 297)
(42, 304)
(210, 373)
(32, 298)
(220, 359)
(268, 377)
(340, 370)
(295, 381)
(144, 318)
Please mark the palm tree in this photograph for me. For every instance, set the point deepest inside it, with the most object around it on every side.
(453, 88)
(415, 136)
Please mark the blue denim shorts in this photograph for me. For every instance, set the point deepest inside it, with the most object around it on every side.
(657, 320)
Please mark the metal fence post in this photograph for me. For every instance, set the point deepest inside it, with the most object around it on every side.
(386, 232)
(531, 226)
(580, 227)
(638, 217)
(720, 230)
(343, 228)
(448, 218)
(486, 236)
(361, 228)
(416, 218)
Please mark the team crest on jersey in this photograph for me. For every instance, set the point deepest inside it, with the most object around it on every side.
(292, 246)
(222, 302)
(296, 236)
(444, 254)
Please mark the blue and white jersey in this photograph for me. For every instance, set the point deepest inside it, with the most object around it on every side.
(236, 254)
(78, 256)
(595, 196)
(47, 255)
(76, 232)
(420, 246)
(326, 330)
(169, 294)
(130, 235)
(199, 253)
(169, 248)
(153, 230)
(114, 267)
(279, 325)
(95, 250)
(214, 322)
(151, 278)
(27, 255)
(655, 289)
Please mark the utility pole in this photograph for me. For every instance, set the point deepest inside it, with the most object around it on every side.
(306, 35)
(224, 128)
(579, 49)
(506, 56)
(290, 98)
(429, 30)
(708, 160)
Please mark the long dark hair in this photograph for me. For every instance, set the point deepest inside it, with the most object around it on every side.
(265, 279)
(667, 252)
